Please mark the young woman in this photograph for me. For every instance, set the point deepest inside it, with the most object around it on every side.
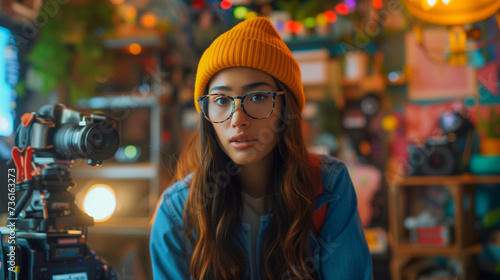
(246, 189)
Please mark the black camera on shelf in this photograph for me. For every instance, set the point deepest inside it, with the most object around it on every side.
(437, 157)
(46, 232)
(442, 156)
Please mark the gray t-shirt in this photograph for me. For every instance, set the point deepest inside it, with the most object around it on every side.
(253, 208)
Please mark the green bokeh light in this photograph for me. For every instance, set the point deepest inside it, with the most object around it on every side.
(310, 22)
(240, 12)
(130, 152)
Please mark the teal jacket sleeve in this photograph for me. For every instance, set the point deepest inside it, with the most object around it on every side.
(167, 249)
(344, 252)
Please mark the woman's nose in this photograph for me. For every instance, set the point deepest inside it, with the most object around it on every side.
(239, 117)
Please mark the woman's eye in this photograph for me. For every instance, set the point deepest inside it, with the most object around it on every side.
(221, 101)
(258, 97)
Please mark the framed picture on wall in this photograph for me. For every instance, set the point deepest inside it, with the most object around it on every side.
(430, 76)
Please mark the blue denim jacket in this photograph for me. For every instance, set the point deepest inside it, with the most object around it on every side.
(339, 252)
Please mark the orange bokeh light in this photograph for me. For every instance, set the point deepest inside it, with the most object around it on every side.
(135, 48)
(148, 20)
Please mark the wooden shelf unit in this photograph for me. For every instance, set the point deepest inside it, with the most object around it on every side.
(465, 238)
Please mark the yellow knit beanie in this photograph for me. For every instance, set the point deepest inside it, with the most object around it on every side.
(252, 43)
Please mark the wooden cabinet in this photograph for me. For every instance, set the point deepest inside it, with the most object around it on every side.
(464, 244)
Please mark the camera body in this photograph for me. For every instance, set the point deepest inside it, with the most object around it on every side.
(46, 256)
(59, 134)
(440, 156)
(46, 232)
(437, 157)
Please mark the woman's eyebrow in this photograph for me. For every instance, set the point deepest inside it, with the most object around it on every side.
(244, 87)
(254, 85)
(224, 88)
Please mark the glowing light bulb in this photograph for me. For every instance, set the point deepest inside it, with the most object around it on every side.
(225, 4)
(135, 48)
(148, 20)
(446, 2)
(321, 19)
(331, 17)
(431, 2)
(309, 22)
(100, 202)
(342, 9)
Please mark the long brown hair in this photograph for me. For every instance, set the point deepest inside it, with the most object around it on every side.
(213, 206)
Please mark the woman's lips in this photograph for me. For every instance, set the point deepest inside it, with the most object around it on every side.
(243, 145)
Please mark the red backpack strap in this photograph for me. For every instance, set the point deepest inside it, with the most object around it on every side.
(319, 215)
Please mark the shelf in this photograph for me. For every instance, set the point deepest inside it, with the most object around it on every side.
(128, 226)
(118, 171)
(465, 179)
(450, 250)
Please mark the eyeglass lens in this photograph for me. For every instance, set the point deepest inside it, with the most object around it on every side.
(257, 105)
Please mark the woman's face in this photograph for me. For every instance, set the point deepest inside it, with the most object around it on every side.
(243, 139)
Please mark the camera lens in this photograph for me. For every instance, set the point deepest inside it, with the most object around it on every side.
(97, 141)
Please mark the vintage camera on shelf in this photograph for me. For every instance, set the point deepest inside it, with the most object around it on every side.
(46, 232)
(443, 155)
(437, 157)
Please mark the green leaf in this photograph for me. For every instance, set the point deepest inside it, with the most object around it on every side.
(491, 218)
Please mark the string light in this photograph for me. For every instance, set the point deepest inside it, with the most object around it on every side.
(342, 9)
(377, 4)
(225, 4)
(321, 19)
(309, 22)
(331, 17)
(240, 12)
(294, 26)
(351, 4)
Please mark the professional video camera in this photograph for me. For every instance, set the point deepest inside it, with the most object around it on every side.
(46, 232)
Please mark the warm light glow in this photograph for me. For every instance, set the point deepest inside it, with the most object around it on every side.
(321, 19)
(135, 48)
(389, 123)
(342, 9)
(148, 20)
(240, 12)
(377, 4)
(452, 12)
(431, 3)
(100, 202)
(225, 4)
(116, 2)
(130, 13)
(251, 14)
(331, 17)
(294, 26)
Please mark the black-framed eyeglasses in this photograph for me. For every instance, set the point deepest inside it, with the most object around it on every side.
(218, 108)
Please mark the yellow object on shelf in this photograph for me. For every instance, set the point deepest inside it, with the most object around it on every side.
(452, 12)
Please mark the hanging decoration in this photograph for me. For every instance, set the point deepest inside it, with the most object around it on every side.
(454, 14)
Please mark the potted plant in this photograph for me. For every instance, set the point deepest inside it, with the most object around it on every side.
(490, 129)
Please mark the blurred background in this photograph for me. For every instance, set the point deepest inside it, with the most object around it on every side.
(406, 93)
